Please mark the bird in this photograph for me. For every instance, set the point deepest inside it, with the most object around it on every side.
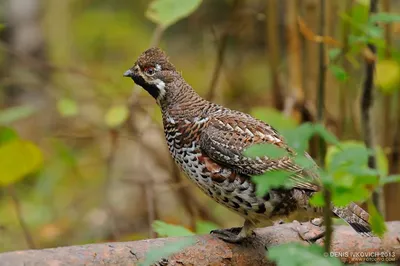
(208, 142)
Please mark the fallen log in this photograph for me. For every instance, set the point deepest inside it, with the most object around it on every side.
(208, 250)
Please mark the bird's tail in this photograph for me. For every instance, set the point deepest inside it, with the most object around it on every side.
(356, 217)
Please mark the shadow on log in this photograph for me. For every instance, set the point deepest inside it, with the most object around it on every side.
(208, 250)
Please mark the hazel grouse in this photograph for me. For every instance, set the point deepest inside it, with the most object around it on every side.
(207, 141)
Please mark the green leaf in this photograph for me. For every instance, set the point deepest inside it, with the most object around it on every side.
(373, 31)
(205, 227)
(67, 107)
(382, 163)
(304, 162)
(327, 136)
(387, 77)
(334, 53)
(7, 134)
(269, 150)
(295, 254)
(18, 158)
(349, 153)
(272, 179)
(384, 17)
(317, 199)
(274, 118)
(168, 12)
(156, 254)
(116, 116)
(389, 179)
(376, 220)
(166, 230)
(357, 170)
(13, 114)
(342, 196)
(339, 72)
(299, 137)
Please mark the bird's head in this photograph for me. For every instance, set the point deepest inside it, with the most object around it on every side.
(153, 72)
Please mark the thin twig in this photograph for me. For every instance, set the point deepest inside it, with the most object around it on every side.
(366, 106)
(343, 96)
(218, 66)
(114, 136)
(151, 209)
(22, 223)
(321, 81)
(221, 51)
(157, 35)
(320, 117)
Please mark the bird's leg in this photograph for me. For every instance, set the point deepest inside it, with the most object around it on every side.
(235, 234)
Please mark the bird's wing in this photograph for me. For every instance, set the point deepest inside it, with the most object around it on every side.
(226, 136)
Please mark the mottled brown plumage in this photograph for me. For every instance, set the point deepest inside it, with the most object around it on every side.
(208, 140)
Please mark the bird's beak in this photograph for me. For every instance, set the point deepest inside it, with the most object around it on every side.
(128, 73)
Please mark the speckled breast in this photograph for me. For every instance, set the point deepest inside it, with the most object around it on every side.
(218, 182)
(227, 187)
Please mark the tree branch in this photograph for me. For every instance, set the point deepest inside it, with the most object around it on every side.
(208, 250)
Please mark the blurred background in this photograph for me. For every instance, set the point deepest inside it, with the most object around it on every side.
(91, 164)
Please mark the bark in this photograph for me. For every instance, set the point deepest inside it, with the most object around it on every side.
(208, 250)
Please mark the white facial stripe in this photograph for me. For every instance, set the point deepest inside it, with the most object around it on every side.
(158, 67)
(161, 86)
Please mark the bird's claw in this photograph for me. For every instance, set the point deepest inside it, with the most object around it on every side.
(230, 235)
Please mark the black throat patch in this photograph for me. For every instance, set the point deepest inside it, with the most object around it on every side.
(150, 88)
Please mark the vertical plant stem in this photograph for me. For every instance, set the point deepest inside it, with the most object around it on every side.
(343, 92)
(114, 137)
(367, 99)
(151, 206)
(274, 52)
(222, 44)
(157, 34)
(311, 13)
(320, 117)
(296, 96)
(22, 223)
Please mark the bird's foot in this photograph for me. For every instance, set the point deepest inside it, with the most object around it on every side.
(308, 233)
(231, 235)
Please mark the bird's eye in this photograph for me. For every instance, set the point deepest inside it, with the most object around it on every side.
(150, 71)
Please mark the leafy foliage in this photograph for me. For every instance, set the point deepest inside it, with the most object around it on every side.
(67, 107)
(384, 17)
(376, 220)
(387, 76)
(156, 254)
(270, 180)
(13, 114)
(205, 227)
(166, 230)
(116, 116)
(274, 118)
(339, 73)
(295, 254)
(265, 149)
(168, 12)
(18, 158)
